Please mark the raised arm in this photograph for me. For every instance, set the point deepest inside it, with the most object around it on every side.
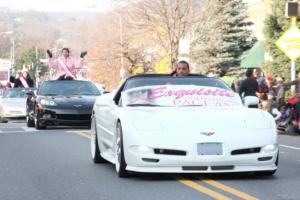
(294, 82)
(81, 60)
(52, 63)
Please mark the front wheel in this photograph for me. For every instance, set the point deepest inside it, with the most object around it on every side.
(29, 121)
(3, 120)
(95, 150)
(38, 124)
(120, 162)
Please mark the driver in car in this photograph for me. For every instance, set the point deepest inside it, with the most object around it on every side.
(182, 69)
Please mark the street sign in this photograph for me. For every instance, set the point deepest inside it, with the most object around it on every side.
(289, 43)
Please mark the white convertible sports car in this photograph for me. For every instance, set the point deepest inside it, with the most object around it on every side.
(192, 124)
(13, 103)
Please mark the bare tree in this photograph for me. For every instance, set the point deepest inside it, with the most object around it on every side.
(167, 20)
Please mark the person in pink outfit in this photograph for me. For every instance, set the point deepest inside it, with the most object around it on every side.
(65, 67)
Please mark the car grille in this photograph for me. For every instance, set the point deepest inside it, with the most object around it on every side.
(222, 167)
(195, 168)
(205, 168)
(170, 152)
(74, 117)
(245, 151)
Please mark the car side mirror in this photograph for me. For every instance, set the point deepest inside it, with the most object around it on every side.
(30, 93)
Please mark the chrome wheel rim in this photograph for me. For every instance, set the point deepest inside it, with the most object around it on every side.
(93, 138)
(118, 149)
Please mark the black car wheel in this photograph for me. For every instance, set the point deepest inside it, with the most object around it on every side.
(29, 121)
(3, 120)
(38, 124)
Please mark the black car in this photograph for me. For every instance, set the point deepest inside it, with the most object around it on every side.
(65, 102)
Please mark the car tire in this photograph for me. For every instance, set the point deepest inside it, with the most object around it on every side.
(38, 125)
(120, 162)
(270, 172)
(29, 121)
(95, 150)
(3, 120)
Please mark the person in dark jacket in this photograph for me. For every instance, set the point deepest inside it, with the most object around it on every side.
(24, 81)
(249, 89)
(249, 86)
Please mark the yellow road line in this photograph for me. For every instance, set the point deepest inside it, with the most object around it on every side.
(84, 134)
(226, 188)
(203, 189)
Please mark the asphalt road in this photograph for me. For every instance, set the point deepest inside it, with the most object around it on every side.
(56, 164)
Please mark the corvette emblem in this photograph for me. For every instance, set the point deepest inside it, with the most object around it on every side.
(77, 106)
(209, 133)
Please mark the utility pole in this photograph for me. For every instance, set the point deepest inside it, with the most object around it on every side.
(293, 63)
(122, 70)
(12, 55)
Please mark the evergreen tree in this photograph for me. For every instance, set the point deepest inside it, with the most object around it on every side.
(232, 28)
(275, 25)
(30, 59)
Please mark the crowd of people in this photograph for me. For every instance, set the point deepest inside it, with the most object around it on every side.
(265, 92)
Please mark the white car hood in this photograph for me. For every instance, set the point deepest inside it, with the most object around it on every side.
(14, 102)
(196, 120)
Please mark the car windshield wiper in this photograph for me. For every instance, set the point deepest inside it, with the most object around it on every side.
(190, 105)
(87, 93)
(50, 94)
(142, 104)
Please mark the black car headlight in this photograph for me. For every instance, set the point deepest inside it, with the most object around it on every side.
(46, 102)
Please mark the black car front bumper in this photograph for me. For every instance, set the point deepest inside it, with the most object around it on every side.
(64, 117)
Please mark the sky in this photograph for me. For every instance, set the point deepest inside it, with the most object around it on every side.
(58, 5)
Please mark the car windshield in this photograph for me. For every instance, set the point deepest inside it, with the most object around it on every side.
(180, 95)
(168, 80)
(17, 92)
(68, 88)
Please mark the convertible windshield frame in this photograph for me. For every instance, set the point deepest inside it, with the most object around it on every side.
(68, 88)
(169, 80)
(17, 93)
(180, 96)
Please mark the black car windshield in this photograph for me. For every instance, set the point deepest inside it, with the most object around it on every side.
(163, 80)
(68, 88)
(17, 92)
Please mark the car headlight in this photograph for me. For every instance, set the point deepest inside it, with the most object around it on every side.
(270, 148)
(141, 149)
(46, 102)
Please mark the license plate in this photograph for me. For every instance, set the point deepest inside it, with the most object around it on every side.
(209, 149)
